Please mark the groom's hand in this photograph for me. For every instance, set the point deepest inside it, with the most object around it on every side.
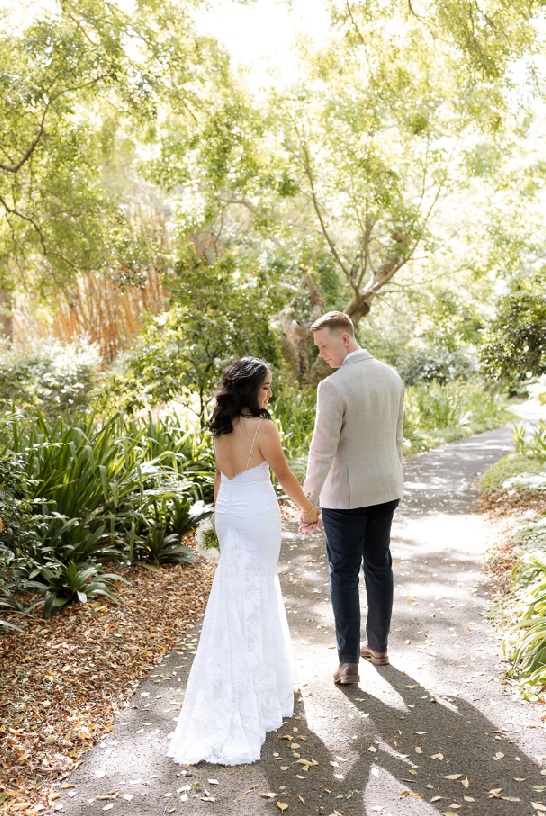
(308, 529)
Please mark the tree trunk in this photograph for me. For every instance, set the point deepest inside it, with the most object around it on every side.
(297, 342)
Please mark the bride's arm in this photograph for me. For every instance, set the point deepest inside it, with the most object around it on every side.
(269, 443)
(217, 478)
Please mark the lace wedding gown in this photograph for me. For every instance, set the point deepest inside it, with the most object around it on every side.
(241, 682)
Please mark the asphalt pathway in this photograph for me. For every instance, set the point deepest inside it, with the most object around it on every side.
(435, 732)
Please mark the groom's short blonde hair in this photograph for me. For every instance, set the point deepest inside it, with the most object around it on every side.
(335, 320)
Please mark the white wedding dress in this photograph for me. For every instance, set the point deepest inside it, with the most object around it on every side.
(241, 684)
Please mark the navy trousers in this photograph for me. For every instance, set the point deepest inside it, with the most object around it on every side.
(355, 538)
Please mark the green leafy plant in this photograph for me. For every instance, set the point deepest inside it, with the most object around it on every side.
(531, 442)
(529, 655)
(63, 583)
(163, 548)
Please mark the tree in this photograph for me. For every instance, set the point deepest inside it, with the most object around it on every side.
(215, 315)
(514, 348)
(82, 87)
(372, 159)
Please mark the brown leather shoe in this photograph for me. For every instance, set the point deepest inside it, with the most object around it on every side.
(346, 673)
(377, 658)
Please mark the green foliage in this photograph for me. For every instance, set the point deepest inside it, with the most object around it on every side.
(83, 86)
(76, 493)
(531, 442)
(293, 410)
(51, 375)
(64, 583)
(435, 363)
(217, 313)
(433, 414)
(529, 654)
(514, 347)
(436, 413)
(513, 466)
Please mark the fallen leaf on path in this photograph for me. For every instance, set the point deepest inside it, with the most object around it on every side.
(213, 781)
(437, 756)
(436, 798)
(302, 800)
(539, 807)
(465, 782)
(499, 755)
(469, 799)
(453, 776)
(494, 793)
(282, 806)
(373, 749)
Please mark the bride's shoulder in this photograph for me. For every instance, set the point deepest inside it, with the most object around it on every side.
(268, 426)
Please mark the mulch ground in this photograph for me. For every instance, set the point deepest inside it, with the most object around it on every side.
(63, 678)
(501, 511)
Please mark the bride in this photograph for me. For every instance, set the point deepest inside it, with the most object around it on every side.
(241, 682)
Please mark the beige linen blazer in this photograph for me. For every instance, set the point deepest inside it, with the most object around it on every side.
(355, 459)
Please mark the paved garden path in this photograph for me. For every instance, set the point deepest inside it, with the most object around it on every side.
(436, 732)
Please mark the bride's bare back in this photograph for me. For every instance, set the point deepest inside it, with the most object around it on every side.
(232, 450)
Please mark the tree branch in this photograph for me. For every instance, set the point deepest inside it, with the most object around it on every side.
(318, 210)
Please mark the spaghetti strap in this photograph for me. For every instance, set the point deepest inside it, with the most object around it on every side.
(253, 441)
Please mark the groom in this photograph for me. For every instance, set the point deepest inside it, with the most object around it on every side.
(355, 467)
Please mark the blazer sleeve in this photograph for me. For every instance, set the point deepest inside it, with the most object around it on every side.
(400, 429)
(328, 423)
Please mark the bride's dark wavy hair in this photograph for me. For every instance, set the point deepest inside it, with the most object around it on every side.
(238, 389)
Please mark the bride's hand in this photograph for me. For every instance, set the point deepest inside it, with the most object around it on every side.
(311, 517)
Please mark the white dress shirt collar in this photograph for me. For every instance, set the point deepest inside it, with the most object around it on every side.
(351, 354)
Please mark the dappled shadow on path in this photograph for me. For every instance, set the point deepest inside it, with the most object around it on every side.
(420, 755)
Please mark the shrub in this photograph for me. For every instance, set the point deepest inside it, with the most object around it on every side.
(517, 466)
(435, 363)
(51, 375)
(515, 341)
(124, 489)
(443, 413)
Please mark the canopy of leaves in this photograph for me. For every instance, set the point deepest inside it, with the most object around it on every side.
(515, 341)
(216, 315)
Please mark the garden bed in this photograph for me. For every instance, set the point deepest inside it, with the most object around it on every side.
(64, 677)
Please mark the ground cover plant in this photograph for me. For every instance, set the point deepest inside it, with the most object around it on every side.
(515, 489)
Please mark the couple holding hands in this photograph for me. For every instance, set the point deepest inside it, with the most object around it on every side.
(241, 684)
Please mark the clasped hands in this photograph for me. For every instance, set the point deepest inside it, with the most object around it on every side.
(310, 522)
